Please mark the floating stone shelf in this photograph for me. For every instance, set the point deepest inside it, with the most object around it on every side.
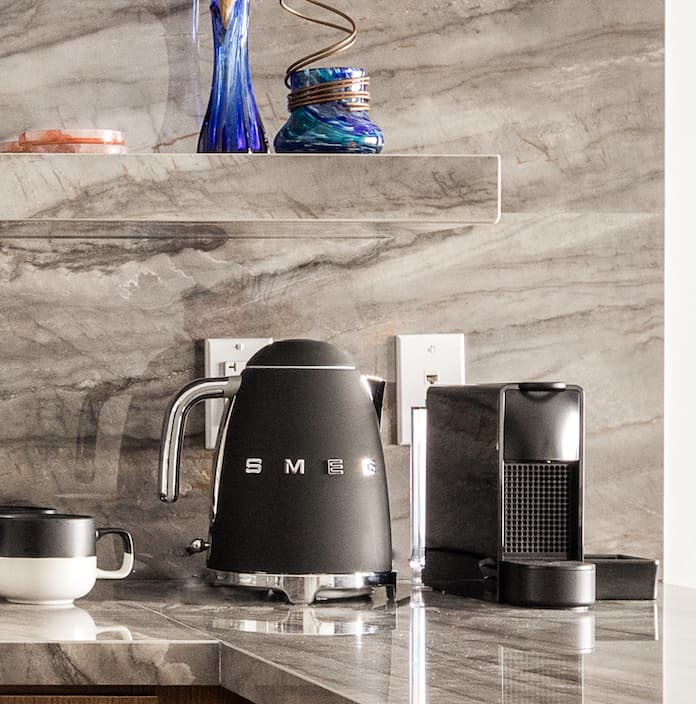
(255, 192)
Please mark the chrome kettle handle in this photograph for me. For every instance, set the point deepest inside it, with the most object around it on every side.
(175, 423)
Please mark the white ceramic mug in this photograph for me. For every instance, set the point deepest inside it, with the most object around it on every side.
(52, 558)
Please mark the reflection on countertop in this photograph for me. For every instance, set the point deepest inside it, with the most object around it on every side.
(51, 624)
(426, 648)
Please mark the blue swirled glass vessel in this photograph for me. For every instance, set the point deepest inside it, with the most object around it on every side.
(329, 127)
(232, 122)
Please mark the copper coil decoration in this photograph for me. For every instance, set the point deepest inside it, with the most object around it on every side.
(352, 92)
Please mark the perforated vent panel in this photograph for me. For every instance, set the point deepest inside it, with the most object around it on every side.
(538, 508)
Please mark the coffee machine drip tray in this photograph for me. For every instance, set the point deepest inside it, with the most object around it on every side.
(308, 588)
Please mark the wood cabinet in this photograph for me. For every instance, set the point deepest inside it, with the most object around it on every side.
(118, 695)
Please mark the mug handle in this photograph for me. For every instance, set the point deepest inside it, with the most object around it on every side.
(127, 565)
(122, 631)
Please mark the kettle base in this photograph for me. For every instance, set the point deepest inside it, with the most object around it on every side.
(307, 588)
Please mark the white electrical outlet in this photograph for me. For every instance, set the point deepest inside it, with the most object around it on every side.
(226, 356)
(423, 360)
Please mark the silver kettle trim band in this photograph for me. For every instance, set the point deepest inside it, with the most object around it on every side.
(303, 367)
(306, 588)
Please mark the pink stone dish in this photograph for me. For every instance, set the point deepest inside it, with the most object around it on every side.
(72, 148)
(78, 136)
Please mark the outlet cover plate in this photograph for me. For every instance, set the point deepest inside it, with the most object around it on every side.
(226, 356)
(422, 360)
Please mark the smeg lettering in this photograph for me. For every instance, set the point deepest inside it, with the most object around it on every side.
(297, 466)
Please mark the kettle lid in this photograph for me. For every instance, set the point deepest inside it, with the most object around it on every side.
(300, 353)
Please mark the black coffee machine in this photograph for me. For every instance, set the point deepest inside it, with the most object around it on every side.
(299, 498)
(504, 493)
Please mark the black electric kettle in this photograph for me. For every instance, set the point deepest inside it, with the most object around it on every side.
(299, 494)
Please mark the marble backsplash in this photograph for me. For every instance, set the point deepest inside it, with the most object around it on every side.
(101, 323)
(100, 332)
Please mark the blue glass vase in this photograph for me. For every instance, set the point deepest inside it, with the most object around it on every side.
(232, 122)
(329, 127)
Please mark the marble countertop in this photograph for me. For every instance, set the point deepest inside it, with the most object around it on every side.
(432, 649)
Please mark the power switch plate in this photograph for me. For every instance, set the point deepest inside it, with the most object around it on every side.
(422, 360)
(226, 356)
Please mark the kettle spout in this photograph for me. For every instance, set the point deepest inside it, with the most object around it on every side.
(375, 387)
